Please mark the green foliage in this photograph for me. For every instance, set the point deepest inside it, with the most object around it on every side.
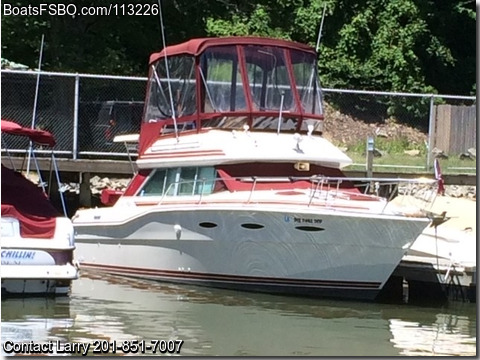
(377, 48)
(389, 146)
(423, 46)
(257, 23)
(401, 163)
(398, 146)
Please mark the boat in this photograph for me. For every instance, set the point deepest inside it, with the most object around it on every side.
(235, 186)
(37, 241)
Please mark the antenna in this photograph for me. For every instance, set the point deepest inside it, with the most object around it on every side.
(34, 113)
(321, 27)
(170, 94)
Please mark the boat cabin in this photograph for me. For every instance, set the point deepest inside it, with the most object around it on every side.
(240, 85)
(229, 83)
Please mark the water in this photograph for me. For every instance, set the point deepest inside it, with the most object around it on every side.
(229, 323)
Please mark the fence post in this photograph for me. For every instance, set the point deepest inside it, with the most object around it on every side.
(75, 117)
(431, 132)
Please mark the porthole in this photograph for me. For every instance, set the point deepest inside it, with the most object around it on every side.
(309, 228)
(207, 224)
(252, 226)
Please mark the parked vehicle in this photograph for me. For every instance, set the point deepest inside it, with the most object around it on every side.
(116, 118)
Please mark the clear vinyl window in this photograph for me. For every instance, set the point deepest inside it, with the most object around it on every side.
(222, 80)
(172, 92)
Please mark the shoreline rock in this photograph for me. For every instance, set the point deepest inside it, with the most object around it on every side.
(97, 184)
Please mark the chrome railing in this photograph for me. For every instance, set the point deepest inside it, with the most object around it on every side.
(324, 190)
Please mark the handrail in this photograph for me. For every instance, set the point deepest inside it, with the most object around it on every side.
(324, 188)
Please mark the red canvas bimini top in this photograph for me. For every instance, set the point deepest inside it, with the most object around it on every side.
(39, 136)
(197, 46)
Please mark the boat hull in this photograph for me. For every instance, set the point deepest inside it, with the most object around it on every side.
(37, 272)
(36, 287)
(300, 253)
(37, 266)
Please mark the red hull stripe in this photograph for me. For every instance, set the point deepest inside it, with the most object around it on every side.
(183, 154)
(183, 275)
(255, 202)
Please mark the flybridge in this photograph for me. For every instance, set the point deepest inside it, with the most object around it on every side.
(231, 83)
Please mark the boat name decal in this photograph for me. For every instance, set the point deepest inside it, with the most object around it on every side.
(26, 257)
(300, 220)
(18, 254)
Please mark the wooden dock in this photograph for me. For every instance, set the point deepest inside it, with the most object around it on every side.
(72, 170)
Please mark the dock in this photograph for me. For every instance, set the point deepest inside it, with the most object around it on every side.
(440, 266)
(428, 279)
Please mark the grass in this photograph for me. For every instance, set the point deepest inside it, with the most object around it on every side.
(395, 160)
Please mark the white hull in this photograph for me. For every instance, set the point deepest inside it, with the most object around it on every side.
(37, 266)
(23, 287)
(326, 253)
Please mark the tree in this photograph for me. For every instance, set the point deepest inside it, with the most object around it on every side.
(390, 45)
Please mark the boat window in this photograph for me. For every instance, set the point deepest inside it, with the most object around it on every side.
(182, 95)
(171, 182)
(180, 182)
(268, 78)
(206, 180)
(155, 184)
(222, 80)
(187, 181)
(305, 73)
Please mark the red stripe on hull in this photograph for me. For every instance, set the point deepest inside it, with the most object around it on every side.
(182, 154)
(182, 275)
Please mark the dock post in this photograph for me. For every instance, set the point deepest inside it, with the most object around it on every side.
(370, 149)
(85, 196)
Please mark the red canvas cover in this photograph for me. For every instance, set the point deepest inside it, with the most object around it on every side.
(109, 197)
(231, 173)
(25, 201)
(39, 136)
(197, 46)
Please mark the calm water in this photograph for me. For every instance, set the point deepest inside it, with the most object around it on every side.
(217, 322)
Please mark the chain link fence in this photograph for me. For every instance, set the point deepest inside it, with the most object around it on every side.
(436, 126)
(55, 105)
(86, 111)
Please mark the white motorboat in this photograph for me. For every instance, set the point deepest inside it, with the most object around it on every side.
(37, 242)
(237, 188)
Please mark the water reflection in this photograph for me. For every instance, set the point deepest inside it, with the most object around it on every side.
(35, 319)
(220, 322)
